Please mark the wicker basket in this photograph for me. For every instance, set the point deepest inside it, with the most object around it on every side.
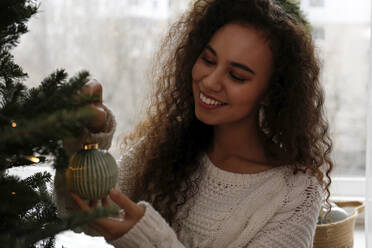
(339, 234)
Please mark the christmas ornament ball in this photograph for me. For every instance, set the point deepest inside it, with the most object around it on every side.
(91, 173)
(336, 214)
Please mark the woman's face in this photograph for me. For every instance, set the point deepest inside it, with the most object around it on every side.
(231, 75)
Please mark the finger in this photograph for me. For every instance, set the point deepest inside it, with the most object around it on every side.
(131, 208)
(80, 202)
(99, 111)
(105, 201)
(97, 121)
(93, 203)
(99, 229)
(94, 87)
(87, 90)
(94, 224)
(112, 229)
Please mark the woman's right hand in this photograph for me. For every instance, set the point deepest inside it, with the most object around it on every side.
(97, 122)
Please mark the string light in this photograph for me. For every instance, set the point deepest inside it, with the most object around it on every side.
(34, 159)
(90, 146)
(14, 124)
(14, 193)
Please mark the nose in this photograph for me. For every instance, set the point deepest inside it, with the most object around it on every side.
(213, 80)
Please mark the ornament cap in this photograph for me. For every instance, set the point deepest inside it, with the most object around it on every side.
(89, 146)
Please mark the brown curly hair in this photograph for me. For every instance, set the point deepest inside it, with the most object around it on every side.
(174, 139)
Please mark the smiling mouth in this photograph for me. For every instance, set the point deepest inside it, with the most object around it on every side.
(206, 100)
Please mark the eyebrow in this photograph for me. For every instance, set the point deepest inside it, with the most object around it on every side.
(234, 64)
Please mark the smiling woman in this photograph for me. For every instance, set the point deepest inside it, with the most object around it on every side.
(218, 74)
(234, 150)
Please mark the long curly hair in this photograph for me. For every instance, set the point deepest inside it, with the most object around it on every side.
(173, 139)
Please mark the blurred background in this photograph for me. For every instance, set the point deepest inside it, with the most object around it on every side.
(115, 41)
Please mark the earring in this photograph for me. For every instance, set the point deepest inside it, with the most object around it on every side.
(261, 114)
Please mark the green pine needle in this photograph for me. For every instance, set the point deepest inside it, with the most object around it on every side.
(292, 7)
(34, 122)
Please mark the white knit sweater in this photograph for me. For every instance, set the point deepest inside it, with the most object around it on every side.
(273, 208)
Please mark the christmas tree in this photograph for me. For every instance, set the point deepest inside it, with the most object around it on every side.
(33, 124)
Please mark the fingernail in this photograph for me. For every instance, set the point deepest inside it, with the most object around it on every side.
(114, 192)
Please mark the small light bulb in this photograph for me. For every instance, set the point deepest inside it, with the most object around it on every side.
(14, 193)
(14, 124)
(34, 159)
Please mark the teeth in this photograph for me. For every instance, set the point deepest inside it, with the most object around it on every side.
(210, 101)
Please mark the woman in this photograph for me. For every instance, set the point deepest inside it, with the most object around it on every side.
(235, 146)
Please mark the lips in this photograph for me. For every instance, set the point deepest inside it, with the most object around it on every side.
(210, 97)
(209, 106)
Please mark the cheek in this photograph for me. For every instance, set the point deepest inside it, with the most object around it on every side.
(196, 71)
(245, 96)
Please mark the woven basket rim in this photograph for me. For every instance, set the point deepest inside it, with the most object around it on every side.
(340, 233)
(353, 215)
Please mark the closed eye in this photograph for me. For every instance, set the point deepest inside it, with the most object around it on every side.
(208, 61)
(236, 78)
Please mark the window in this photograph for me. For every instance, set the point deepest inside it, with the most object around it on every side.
(115, 47)
(341, 31)
(316, 3)
(343, 43)
(134, 2)
(318, 33)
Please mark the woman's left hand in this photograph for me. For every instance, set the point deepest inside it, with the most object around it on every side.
(109, 228)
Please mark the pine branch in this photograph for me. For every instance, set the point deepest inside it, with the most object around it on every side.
(33, 122)
(40, 137)
(43, 116)
(9, 71)
(54, 94)
(13, 16)
(72, 222)
(39, 221)
(293, 7)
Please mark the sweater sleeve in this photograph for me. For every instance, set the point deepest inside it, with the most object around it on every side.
(64, 202)
(294, 225)
(151, 231)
